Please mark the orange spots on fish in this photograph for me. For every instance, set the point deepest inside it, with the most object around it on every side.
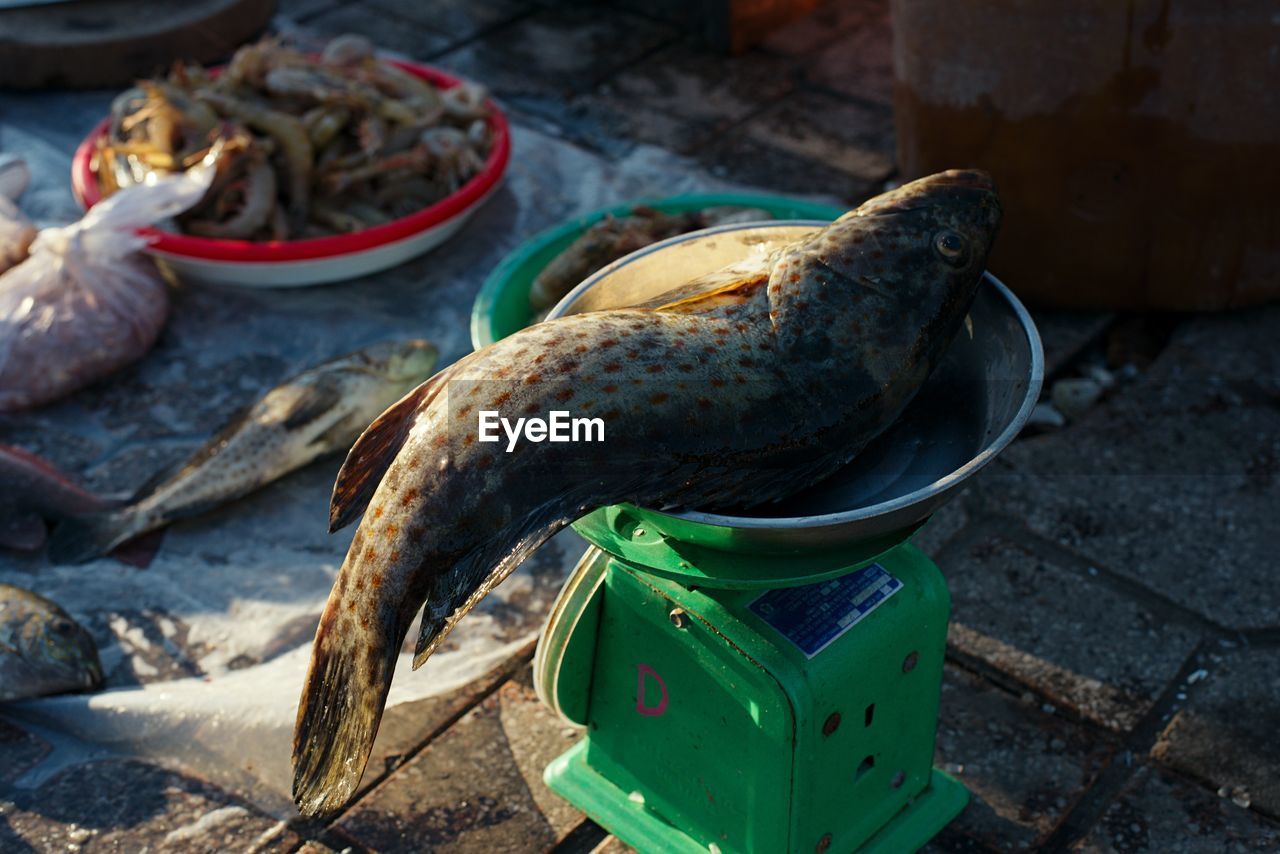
(484, 462)
(502, 398)
(704, 403)
(739, 379)
(359, 585)
(587, 405)
(531, 409)
(609, 389)
(392, 529)
(745, 362)
(660, 397)
(502, 373)
(377, 512)
(375, 580)
(370, 553)
(567, 366)
(532, 379)
(469, 440)
(633, 354)
(408, 496)
(678, 344)
(537, 360)
(608, 342)
(612, 368)
(464, 411)
(364, 622)
(611, 414)
(564, 394)
(685, 366)
(440, 440)
(741, 327)
(394, 556)
(710, 351)
(653, 369)
(745, 347)
(638, 381)
(794, 278)
(716, 382)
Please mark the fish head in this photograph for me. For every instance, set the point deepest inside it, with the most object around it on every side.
(401, 362)
(901, 263)
(59, 653)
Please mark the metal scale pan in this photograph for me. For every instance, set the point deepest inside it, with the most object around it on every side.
(972, 406)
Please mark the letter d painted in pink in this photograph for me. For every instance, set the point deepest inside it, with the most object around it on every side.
(649, 711)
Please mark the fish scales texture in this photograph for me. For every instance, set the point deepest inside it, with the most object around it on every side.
(725, 393)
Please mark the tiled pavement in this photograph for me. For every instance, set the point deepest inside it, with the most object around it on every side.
(1114, 660)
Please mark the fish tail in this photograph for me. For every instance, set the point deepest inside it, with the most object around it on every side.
(352, 662)
(81, 538)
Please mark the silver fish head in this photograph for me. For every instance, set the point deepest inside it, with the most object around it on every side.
(56, 653)
(406, 362)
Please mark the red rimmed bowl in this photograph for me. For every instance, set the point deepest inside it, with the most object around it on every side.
(314, 261)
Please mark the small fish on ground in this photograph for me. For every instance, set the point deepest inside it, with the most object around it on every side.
(42, 649)
(740, 388)
(319, 411)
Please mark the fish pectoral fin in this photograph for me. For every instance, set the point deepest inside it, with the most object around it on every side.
(310, 402)
(436, 626)
(373, 453)
(697, 295)
(22, 531)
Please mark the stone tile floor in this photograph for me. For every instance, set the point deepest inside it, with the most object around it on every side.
(1114, 660)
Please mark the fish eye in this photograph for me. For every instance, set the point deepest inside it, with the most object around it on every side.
(949, 245)
(64, 628)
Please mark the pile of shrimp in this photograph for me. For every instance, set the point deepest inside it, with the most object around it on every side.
(309, 145)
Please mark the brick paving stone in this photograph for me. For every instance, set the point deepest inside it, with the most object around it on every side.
(301, 10)
(1065, 334)
(1227, 733)
(477, 787)
(406, 726)
(386, 31)
(860, 64)
(680, 97)
(556, 52)
(20, 751)
(1160, 812)
(809, 143)
(458, 19)
(1067, 636)
(1173, 481)
(129, 805)
(1023, 768)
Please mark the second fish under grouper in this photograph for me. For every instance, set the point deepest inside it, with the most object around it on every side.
(733, 390)
(317, 412)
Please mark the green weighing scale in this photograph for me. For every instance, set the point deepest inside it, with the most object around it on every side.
(770, 683)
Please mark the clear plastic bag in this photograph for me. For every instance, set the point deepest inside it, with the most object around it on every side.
(86, 302)
(16, 231)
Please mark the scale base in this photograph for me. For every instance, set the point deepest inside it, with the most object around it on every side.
(573, 779)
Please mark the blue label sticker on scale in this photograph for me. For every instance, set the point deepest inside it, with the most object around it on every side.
(813, 616)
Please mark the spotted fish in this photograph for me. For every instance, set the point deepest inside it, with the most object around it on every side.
(730, 391)
(317, 412)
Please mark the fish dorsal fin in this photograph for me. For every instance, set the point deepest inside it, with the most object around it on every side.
(373, 453)
(310, 401)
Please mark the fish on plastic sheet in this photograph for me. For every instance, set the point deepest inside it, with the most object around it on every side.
(736, 389)
(317, 412)
(42, 649)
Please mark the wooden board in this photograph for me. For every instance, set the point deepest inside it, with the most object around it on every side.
(92, 44)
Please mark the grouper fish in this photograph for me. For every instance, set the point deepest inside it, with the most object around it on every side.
(729, 391)
(317, 412)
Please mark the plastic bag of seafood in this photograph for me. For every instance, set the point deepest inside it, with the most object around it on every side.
(85, 302)
(16, 231)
